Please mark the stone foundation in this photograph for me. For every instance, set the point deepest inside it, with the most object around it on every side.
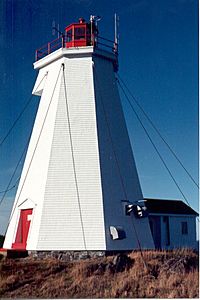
(66, 255)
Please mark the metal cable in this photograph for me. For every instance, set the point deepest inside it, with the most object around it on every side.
(37, 142)
(157, 131)
(120, 175)
(111, 140)
(154, 146)
(15, 170)
(73, 158)
(11, 188)
(20, 115)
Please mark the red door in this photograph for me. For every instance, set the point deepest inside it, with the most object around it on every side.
(22, 229)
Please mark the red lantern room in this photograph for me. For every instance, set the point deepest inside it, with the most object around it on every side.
(80, 34)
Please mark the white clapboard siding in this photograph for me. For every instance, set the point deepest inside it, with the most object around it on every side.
(117, 163)
(61, 225)
(34, 173)
(71, 177)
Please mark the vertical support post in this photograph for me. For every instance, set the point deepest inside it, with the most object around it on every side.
(63, 40)
(116, 42)
(58, 31)
(91, 21)
(49, 48)
(73, 35)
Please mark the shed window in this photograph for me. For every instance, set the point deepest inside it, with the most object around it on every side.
(184, 227)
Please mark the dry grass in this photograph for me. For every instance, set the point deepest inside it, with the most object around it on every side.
(171, 274)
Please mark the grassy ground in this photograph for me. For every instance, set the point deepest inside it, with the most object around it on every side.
(164, 274)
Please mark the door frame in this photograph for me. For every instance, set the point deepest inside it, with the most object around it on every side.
(27, 204)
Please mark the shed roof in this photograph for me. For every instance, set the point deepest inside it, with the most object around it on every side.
(159, 206)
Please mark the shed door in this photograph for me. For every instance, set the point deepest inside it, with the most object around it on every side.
(155, 225)
(22, 229)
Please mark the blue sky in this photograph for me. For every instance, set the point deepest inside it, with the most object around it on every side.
(158, 60)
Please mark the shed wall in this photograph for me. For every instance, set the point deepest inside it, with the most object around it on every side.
(177, 239)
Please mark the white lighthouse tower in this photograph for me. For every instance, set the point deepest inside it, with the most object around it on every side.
(79, 188)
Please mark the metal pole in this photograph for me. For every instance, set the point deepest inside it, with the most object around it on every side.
(49, 48)
(115, 28)
(116, 33)
(58, 30)
(63, 40)
(91, 21)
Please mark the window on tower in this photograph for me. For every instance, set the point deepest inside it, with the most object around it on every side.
(69, 35)
(79, 33)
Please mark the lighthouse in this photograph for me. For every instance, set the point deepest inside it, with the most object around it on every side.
(79, 188)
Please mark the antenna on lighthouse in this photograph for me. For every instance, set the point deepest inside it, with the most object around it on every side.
(56, 29)
(53, 27)
(94, 27)
(116, 33)
(95, 19)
